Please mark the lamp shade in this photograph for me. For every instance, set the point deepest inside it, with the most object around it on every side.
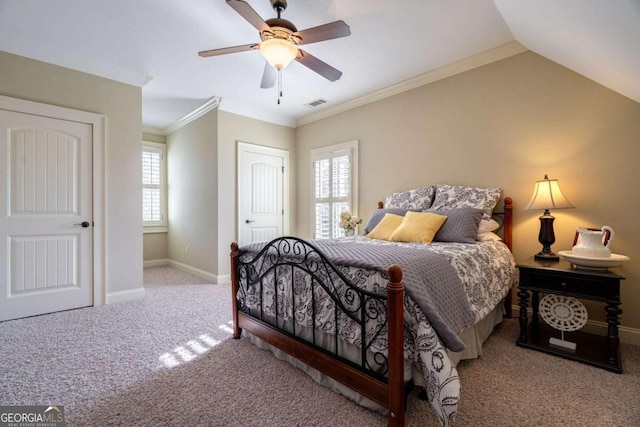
(547, 195)
(278, 52)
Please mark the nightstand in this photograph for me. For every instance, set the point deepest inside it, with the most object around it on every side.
(561, 278)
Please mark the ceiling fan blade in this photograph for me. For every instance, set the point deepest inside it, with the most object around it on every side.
(225, 50)
(247, 12)
(320, 33)
(320, 67)
(268, 76)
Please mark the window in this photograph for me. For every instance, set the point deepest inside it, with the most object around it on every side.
(334, 187)
(154, 187)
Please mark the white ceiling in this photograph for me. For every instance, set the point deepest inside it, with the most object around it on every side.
(154, 44)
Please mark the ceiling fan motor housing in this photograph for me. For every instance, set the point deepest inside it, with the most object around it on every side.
(280, 29)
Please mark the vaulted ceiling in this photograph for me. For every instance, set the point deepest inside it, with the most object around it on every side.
(154, 44)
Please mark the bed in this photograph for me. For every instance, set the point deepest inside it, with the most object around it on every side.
(341, 307)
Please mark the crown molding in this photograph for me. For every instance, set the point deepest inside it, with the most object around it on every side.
(483, 58)
(188, 118)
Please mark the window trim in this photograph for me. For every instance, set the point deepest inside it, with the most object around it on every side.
(163, 226)
(327, 152)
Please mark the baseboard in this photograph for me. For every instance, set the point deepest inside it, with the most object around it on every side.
(127, 295)
(155, 263)
(225, 278)
(195, 271)
(627, 335)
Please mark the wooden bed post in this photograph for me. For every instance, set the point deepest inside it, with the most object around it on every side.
(395, 313)
(235, 285)
(508, 240)
(508, 222)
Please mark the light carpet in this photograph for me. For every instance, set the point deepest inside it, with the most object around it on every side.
(168, 360)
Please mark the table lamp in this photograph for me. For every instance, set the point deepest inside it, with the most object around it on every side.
(547, 195)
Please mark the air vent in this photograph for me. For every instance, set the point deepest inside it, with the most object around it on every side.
(316, 103)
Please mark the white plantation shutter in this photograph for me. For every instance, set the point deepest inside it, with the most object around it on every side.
(334, 189)
(153, 185)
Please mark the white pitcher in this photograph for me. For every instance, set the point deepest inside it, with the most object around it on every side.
(591, 243)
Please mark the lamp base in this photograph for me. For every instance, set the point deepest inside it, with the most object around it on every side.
(547, 256)
(547, 238)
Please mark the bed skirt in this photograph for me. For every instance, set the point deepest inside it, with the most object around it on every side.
(473, 338)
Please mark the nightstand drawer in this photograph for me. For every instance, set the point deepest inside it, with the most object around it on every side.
(592, 287)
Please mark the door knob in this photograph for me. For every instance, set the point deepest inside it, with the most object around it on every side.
(249, 221)
(83, 224)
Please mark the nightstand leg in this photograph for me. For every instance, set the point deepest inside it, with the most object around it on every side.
(613, 311)
(523, 300)
(535, 307)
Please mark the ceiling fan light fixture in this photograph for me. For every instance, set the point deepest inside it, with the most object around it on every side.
(278, 52)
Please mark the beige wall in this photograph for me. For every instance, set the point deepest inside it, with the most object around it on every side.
(122, 105)
(192, 163)
(152, 137)
(505, 124)
(154, 245)
(233, 128)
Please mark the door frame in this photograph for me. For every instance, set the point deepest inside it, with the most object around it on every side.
(98, 124)
(242, 148)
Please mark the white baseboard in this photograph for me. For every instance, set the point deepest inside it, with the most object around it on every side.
(155, 263)
(120, 296)
(225, 278)
(627, 335)
(195, 271)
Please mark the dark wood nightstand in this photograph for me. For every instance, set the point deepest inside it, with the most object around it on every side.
(561, 278)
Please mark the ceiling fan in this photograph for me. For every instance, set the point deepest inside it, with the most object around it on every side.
(280, 41)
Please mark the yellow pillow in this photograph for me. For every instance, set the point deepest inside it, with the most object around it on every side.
(385, 227)
(419, 227)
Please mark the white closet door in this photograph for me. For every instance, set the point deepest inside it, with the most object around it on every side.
(45, 215)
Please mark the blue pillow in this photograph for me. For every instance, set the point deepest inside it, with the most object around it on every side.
(461, 225)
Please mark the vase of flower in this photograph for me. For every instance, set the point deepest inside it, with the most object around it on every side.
(348, 223)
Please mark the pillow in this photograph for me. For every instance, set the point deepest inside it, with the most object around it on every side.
(418, 227)
(378, 214)
(458, 196)
(488, 236)
(461, 225)
(486, 226)
(386, 227)
(418, 198)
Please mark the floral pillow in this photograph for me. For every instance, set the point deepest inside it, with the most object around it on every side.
(418, 198)
(458, 196)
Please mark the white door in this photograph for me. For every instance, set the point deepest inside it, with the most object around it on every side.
(262, 193)
(45, 215)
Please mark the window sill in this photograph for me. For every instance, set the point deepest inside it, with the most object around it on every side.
(155, 229)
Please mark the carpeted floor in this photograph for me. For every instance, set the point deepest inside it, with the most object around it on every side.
(168, 360)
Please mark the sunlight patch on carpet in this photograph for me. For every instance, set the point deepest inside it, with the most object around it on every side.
(192, 349)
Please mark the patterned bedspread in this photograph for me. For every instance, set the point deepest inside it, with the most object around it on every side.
(485, 270)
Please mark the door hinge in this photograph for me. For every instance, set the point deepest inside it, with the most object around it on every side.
(282, 169)
(282, 211)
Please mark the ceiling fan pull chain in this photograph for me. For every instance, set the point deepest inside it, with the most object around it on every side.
(279, 85)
